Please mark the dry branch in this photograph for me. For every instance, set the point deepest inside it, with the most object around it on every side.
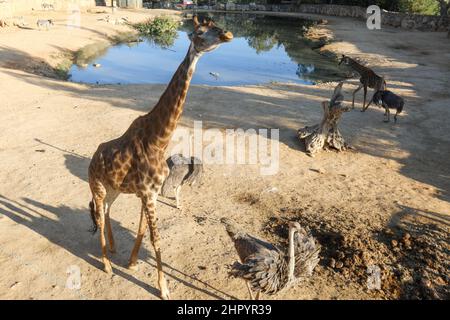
(326, 135)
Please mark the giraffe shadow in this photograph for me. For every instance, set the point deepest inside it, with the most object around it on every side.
(178, 275)
(70, 231)
(76, 163)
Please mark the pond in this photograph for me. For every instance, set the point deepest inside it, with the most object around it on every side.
(264, 49)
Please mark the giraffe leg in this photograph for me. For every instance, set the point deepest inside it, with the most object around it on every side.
(250, 290)
(149, 204)
(177, 197)
(365, 108)
(132, 265)
(365, 95)
(354, 92)
(110, 198)
(99, 207)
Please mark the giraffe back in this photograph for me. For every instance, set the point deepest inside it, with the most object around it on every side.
(368, 77)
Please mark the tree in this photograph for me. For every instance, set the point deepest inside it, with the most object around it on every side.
(444, 7)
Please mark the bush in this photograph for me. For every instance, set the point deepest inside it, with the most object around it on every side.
(430, 7)
(160, 30)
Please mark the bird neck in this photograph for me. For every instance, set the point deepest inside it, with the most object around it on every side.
(291, 260)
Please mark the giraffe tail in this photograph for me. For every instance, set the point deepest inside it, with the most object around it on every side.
(94, 220)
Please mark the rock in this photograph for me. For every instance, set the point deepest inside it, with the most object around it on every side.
(348, 262)
(440, 281)
(339, 265)
(408, 23)
(319, 170)
(426, 283)
(230, 6)
(271, 190)
(346, 273)
(332, 263)
(394, 243)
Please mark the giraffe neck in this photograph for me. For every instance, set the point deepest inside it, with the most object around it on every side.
(165, 115)
(358, 67)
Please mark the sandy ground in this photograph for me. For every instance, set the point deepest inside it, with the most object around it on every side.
(386, 203)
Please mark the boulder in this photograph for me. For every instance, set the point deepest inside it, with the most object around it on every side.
(230, 6)
(408, 23)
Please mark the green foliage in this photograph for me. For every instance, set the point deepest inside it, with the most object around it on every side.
(89, 53)
(62, 69)
(430, 7)
(160, 30)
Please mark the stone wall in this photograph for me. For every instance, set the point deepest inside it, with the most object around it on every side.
(394, 19)
(10, 8)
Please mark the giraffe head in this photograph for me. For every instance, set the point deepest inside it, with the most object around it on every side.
(344, 59)
(207, 36)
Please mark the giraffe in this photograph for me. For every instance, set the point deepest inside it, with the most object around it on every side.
(368, 78)
(135, 162)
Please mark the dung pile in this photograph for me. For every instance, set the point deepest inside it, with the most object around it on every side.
(412, 258)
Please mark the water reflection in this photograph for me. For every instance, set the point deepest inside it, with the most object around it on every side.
(265, 49)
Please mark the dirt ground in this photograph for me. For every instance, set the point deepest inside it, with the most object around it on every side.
(385, 203)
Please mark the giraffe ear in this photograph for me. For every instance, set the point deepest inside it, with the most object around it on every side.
(195, 19)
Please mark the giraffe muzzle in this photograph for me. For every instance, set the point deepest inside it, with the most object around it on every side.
(226, 36)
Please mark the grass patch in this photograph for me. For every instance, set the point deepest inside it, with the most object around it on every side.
(90, 52)
(62, 69)
(125, 37)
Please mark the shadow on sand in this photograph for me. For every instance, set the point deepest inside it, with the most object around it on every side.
(67, 231)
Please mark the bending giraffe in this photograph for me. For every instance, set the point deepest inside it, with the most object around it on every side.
(368, 78)
(135, 162)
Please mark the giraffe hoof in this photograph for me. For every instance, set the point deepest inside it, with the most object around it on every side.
(165, 295)
(107, 268)
(132, 266)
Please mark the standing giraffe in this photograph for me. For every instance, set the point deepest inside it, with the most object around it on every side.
(368, 78)
(135, 162)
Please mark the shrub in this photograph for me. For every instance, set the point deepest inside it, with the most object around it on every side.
(160, 30)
